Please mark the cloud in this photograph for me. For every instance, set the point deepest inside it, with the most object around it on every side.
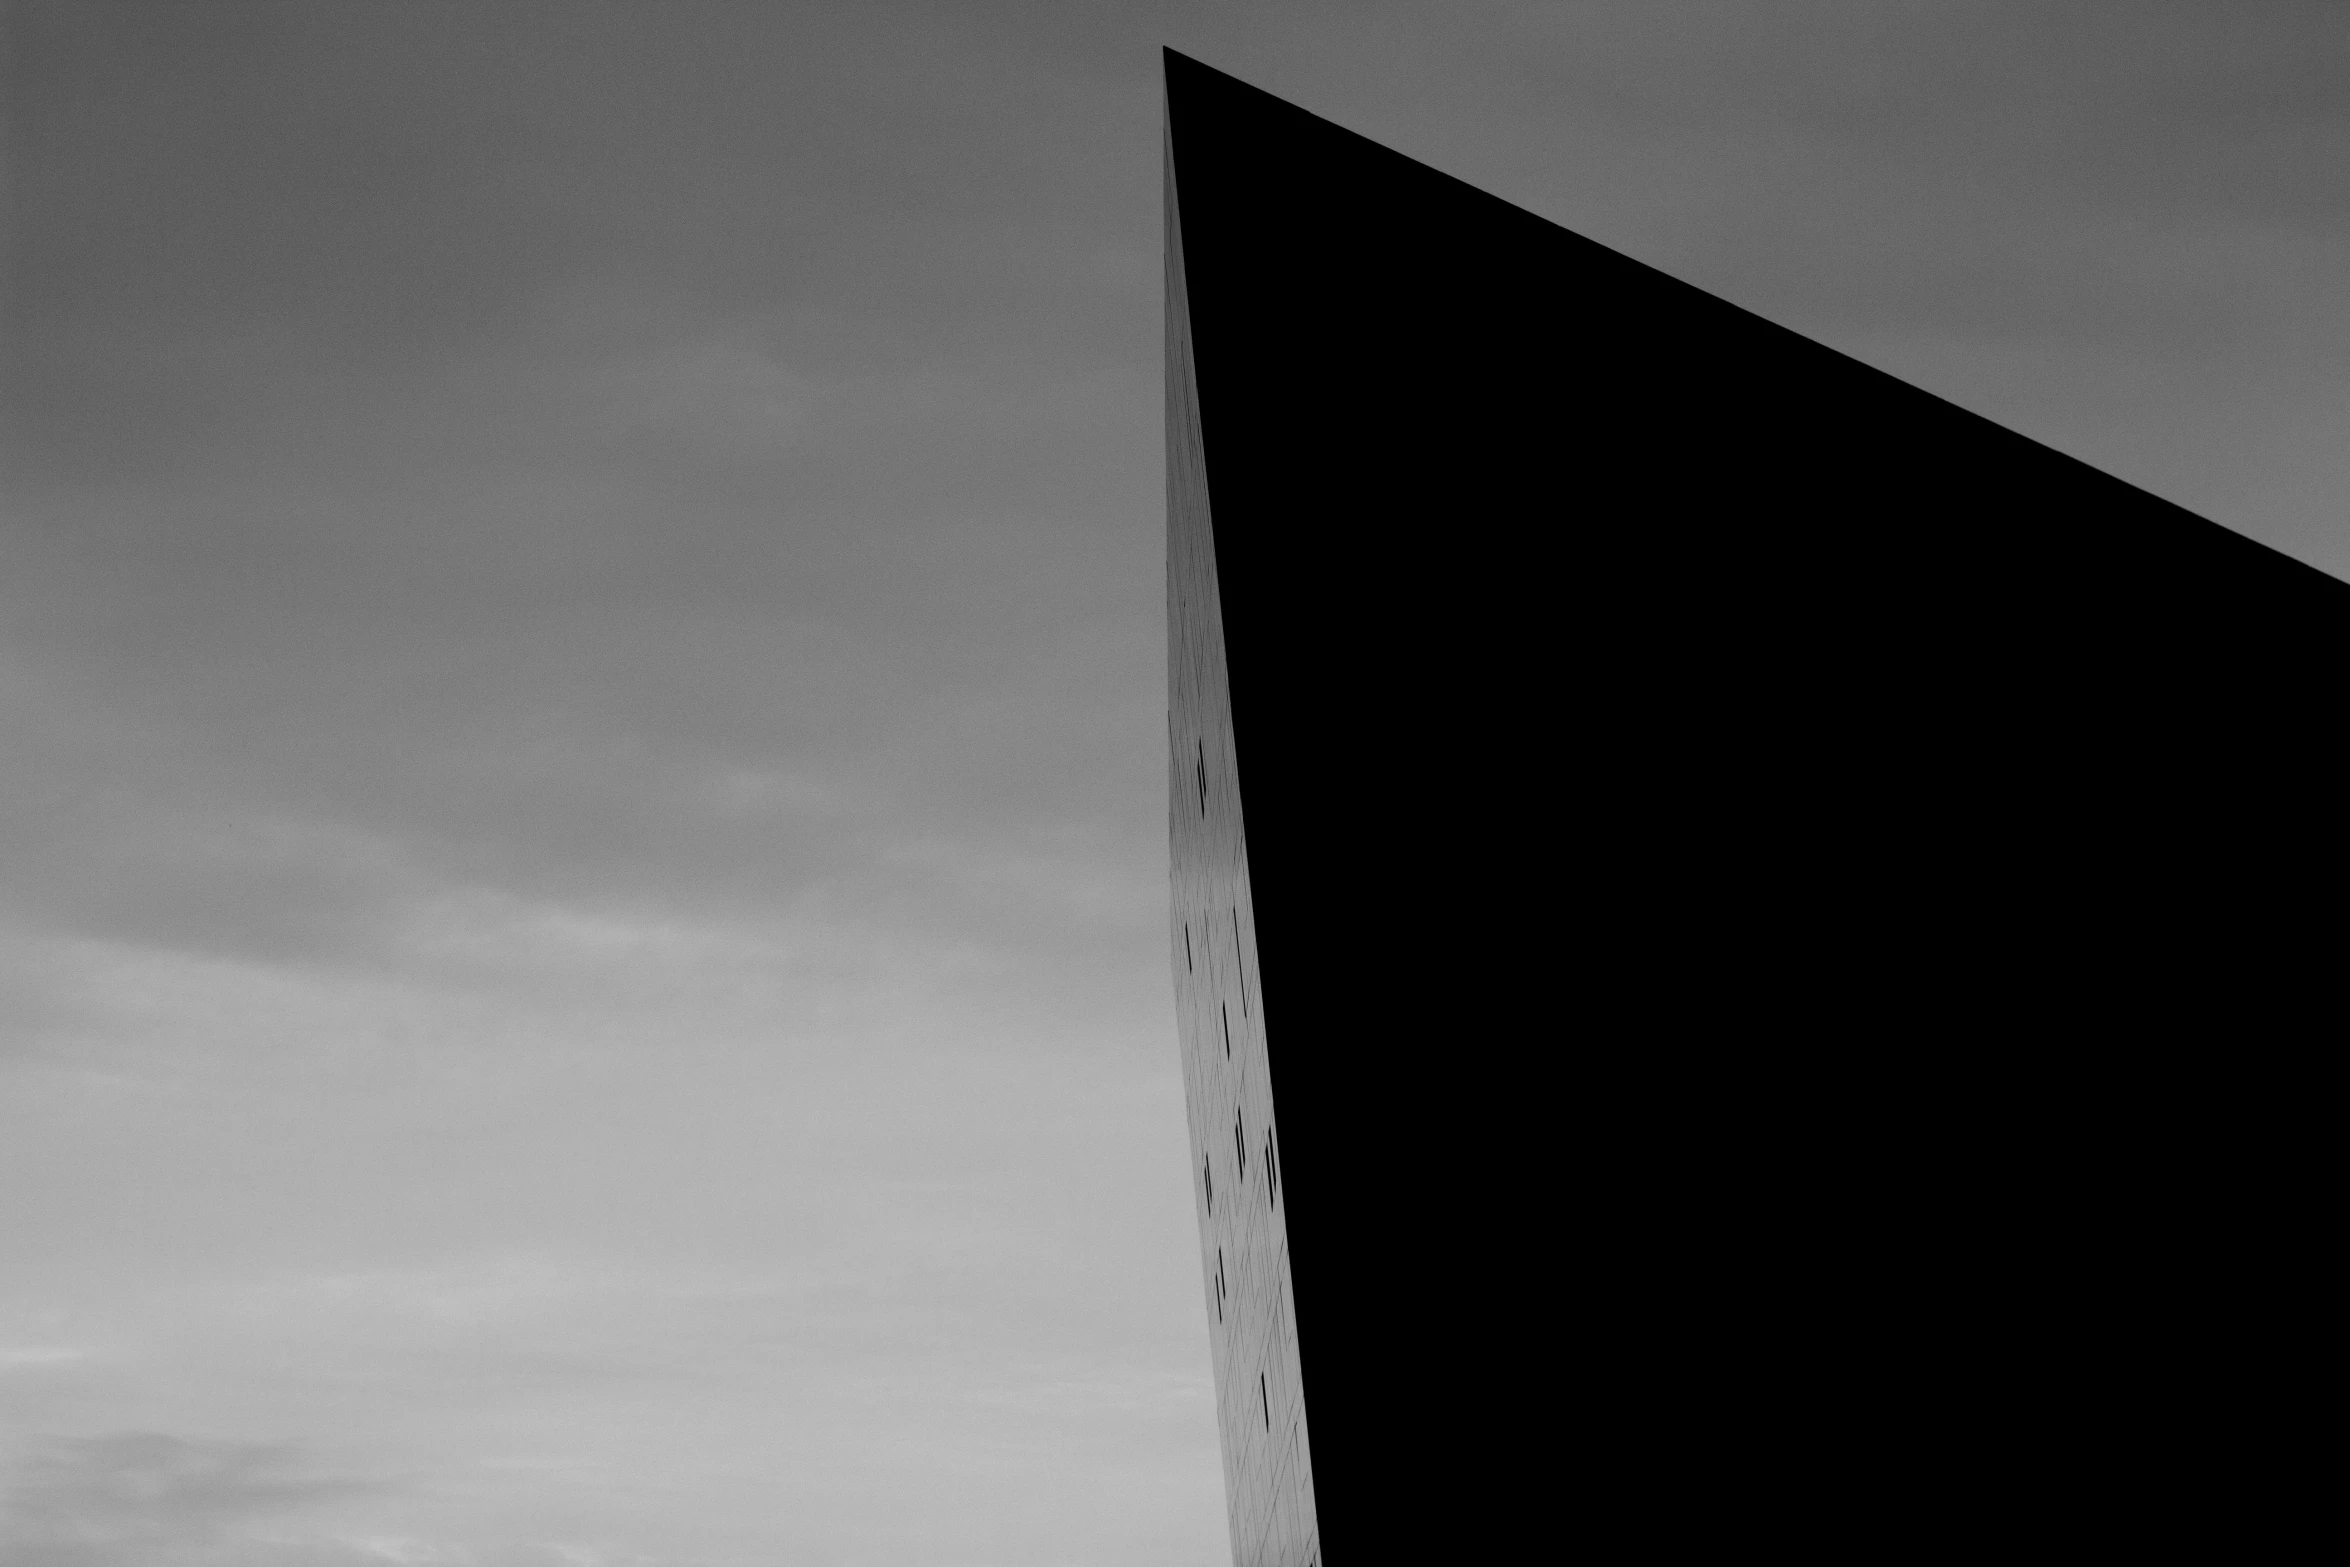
(146, 1499)
(120, 1498)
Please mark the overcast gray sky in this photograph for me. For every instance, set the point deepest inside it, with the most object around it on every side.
(583, 971)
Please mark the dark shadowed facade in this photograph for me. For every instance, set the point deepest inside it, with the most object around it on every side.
(1731, 917)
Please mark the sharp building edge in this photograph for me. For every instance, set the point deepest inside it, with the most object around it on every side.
(1734, 923)
(1228, 1097)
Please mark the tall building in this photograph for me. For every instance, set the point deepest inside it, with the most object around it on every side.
(1697, 867)
(1244, 1246)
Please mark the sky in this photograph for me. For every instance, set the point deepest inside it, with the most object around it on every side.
(583, 920)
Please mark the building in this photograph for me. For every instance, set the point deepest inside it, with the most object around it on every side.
(1679, 838)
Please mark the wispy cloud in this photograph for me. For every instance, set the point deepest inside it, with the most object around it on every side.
(116, 1499)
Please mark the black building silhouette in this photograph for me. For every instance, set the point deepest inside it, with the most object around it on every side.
(1716, 893)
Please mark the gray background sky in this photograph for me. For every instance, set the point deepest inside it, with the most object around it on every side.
(582, 929)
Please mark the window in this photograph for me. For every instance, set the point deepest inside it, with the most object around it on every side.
(1187, 946)
(1267, 1398)
(1208, 1179)
(1203, 779)
(1236, 963)
(1240, 1144)
(1226, 1008)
